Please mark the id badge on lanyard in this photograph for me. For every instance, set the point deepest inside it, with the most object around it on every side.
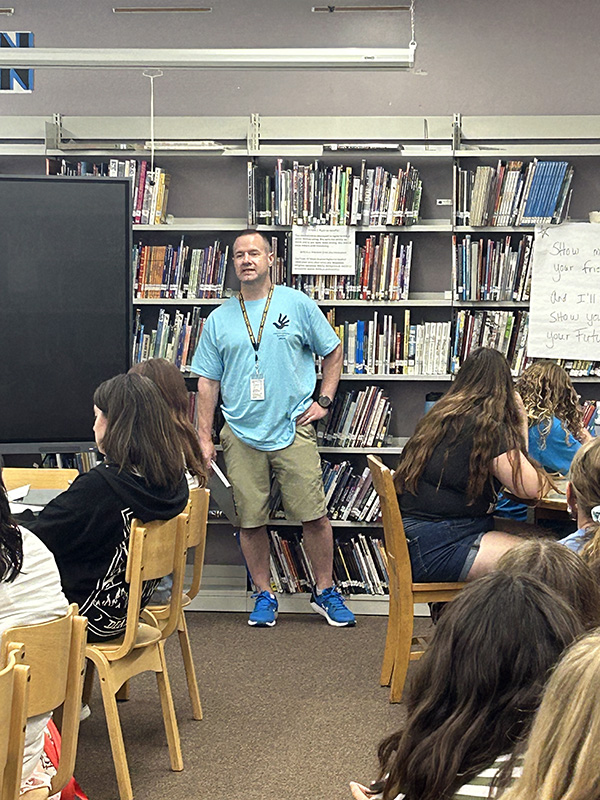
(257, 381)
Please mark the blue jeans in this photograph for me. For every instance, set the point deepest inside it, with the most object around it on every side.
(445, 549)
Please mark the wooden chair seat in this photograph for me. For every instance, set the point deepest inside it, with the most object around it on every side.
(146, 635)
(403, 592)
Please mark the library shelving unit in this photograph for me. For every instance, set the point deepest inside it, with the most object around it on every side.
(207, 159)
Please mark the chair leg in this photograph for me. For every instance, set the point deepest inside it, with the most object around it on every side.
(391, 643)
(88, 681)
(168, 709)
(402, 655)
(188, 663)
(115, 734)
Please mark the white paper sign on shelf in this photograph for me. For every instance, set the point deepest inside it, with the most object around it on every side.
(323, 250)
(564, 320)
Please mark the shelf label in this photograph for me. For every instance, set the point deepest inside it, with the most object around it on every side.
(565, 292)
(323, 250)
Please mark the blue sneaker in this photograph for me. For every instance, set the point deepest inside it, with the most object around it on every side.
(265, 610)
(331, 605)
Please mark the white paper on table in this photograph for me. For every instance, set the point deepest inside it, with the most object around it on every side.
(19, 493)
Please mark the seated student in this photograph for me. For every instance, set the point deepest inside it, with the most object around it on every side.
(30, 593)
(471, 442)
(87, 527)
(475, 691)
(554, 416)
(561, 760)
(561, 570)
(172, 386)
(583, 497)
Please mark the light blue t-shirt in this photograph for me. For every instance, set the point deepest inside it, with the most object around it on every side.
(295, 328)
(575, 541)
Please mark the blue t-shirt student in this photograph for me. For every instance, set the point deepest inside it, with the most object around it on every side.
(295, 328)
(554, 452)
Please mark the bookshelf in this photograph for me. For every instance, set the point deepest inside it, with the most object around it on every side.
(208, 202)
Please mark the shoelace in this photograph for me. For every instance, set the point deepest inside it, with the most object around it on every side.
(332, 597)
(263, 600)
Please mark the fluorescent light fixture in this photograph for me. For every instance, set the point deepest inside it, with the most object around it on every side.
(7, 11)
(230, 58)
(161, 9)
(332, 9)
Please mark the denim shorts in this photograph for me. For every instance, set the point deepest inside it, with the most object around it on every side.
(444, 550)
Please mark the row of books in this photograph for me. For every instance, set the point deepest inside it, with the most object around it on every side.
(492, 269)
(149, 187)
(179, 272)
(579, 368)
(315, 194)
(349, 495)
(82, 461)
(359, 565)
(591, 414)
(174, 340)
(513, 193)
(382, 272)
(356, 419)
(505, 331)
(381, 346)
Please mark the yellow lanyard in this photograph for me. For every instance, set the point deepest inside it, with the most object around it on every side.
(256, 342)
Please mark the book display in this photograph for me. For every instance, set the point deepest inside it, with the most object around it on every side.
(443, 219)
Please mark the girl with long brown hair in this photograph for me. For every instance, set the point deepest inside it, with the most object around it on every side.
(554, 418)
(171, 385)
(473, 441)
(87, 527)
(475, 691)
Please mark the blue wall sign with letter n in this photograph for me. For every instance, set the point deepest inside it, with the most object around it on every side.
(16, 80)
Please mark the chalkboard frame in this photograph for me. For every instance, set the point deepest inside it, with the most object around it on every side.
(89, 220)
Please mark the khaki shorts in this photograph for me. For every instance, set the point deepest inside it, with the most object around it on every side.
(296, 467)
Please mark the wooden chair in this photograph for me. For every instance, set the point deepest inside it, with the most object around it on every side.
(403, 592)
(55, 654)
(14, 477)
(197, 511)
(156, 549)
(14, 690)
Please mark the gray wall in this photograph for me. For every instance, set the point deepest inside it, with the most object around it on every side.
(473, 57)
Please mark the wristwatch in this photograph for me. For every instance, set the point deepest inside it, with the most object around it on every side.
(324, 401)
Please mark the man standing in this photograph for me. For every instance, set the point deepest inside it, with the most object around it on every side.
(258, 350)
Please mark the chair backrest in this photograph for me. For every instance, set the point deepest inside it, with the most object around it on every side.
(156, 549)
(14, 477)
(196, 534)
(13, 718)
(393, 529)
(55, 654)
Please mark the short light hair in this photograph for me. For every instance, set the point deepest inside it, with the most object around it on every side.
(250, 232)
(563, 754)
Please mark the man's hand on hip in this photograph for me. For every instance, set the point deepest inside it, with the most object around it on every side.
(312, 414)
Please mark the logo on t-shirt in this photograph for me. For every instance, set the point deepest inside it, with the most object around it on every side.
(282, 322)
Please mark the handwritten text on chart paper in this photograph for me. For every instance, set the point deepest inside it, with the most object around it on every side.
(565, 293)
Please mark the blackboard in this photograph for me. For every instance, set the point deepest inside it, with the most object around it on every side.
(65, 305)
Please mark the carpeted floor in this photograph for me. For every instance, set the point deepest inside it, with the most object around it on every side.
(290, 713)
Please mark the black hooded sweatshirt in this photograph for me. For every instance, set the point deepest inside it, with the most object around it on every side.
(87, 530)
